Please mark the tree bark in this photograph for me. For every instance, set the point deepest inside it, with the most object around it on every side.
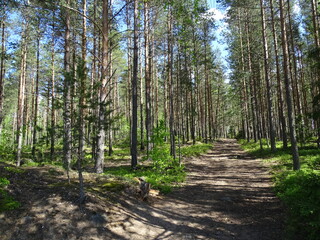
(82, 92)
(134, 127)
(267, 79)
(147, 76)
(99, 163)
(36, 100)
(170, 85)
(294, 147)
(53, 111)
(67, 151)
(2, 69)
(21, 95)
(279, 83)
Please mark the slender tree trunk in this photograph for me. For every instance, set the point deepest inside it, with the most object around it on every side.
(251, 83)
(316, 83)
(36, 100)
(129, 62)
(280, 96)
(21, 95)
(244, 84)
(67, 151)
(2, 69)
(267, 79)
(294, 147)
(99, 163)
(206, 122)
(141, 103)
(82, 91)
(170, 85)
(53, 111)
(147, 76)
(92, 126)
(134, 127)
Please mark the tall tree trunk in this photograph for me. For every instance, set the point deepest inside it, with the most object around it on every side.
(279, 83)
(21, 95)
(2, 69)
(53, 111)
(206, 122)
(36, 100)
(99, 163)
(134, 127)
(316, 83)
(267, 79)
(244, 85)
(129, 63)
(92, 126)
(67, 151)
(251, 84)
(147, 76)
(82, 91)
(294, 147)
(170, 85)
(141, 102)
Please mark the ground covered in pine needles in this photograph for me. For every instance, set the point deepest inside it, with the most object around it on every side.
(227, 195)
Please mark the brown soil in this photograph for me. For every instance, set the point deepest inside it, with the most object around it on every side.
(227, 195)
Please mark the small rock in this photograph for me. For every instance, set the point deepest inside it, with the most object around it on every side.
(26, 219)
(98, 219)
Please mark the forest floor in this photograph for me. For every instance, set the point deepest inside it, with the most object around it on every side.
(227, 195)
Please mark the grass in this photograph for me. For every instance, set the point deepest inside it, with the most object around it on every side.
(195, 150)
(163, 179)
(299, 190)
(7, 202)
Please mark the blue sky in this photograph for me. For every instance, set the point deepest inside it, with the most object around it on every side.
(218, 13)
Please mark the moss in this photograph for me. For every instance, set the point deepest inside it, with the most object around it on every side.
(14, 169)
(112, 186)
(7, 202)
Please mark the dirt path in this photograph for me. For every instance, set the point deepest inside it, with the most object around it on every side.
(227, 195)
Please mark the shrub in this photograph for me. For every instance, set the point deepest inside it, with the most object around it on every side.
(300, 190)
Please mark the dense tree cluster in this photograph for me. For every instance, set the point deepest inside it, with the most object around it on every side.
(274, 59)
(79, 76)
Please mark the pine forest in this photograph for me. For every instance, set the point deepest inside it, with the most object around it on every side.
(159, 119)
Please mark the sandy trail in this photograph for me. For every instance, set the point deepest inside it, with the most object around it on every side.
(227, 195)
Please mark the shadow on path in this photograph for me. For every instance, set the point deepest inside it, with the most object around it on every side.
(227, 195)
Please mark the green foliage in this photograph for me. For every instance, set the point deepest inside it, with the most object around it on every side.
(165, 171)
(160, 154)
(14, 169)
(195, 150)
(6, 201)
(299, 190)
(4, 182)
(163, 182)
(6, 153)
(113, 186)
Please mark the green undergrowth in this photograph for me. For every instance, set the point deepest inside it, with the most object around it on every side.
(162, 171)
(299, 190)
(163, 181)
(7, 202)
(195, 150)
